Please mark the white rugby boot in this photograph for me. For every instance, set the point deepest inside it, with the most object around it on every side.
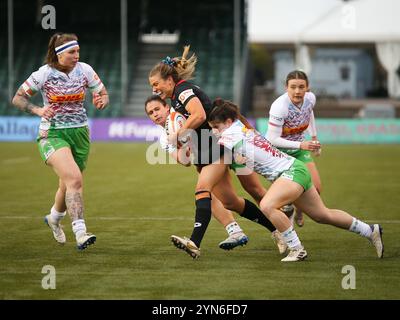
(376, 239)
(187, 245)
(280, 243)
(295, 255)
(234, 240)
(86, 240)
(56, 228)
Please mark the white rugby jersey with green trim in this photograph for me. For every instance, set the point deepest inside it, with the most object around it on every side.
(64, 92)
(259, 155)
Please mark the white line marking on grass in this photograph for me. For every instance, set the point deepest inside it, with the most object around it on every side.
(110, 218)
(161, 219)
(16, 160)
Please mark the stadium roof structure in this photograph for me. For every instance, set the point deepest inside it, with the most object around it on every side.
(327, 21)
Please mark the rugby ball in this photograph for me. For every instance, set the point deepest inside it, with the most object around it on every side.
(174, 122)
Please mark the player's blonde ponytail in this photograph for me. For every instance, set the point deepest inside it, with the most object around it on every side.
(185, 67)
(179, 68)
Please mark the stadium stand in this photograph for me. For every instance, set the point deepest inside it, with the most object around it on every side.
(212, 42)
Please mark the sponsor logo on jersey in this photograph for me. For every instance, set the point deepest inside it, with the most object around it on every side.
(67, 97)
(290, 131)
(288, 174)
(279, 119)
(185, 95)
(262, 143)
(34, 81)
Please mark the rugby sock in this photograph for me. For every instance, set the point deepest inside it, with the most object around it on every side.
(291, 238)
(361, 228)
(202, 218)
(232, 228)
(79, 228)
(56, 216)
(253, 213)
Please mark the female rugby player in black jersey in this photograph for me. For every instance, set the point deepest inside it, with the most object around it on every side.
(168, 79)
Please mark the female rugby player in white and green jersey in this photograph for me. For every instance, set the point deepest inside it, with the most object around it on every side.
(63, 138)
(289, 117)
(291, 182)
(158, 110)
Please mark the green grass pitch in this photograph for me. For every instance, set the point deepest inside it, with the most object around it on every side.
(134, 207)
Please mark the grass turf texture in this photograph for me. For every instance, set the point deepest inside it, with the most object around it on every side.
(134, 207)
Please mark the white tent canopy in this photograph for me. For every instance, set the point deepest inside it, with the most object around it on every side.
(357, 21)
(281, 21)
(322, 21)
(330, 21)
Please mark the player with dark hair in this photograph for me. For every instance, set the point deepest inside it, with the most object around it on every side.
(291, 182)
(158, 110)
(168, 79)
(289, 117)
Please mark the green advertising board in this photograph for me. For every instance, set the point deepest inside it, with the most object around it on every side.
(351, 130)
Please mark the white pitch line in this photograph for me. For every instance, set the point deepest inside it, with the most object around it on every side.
(16, 160)
(160, 219)
(108, 218)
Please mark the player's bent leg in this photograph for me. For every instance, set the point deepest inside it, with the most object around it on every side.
(281, 192)
(284, 191)
(312, 168)
(315, 178)
(251, 183)
(57, 213)
(208, 177)
(225, 192)
(311, 203)
(68, 171)
(59, 200)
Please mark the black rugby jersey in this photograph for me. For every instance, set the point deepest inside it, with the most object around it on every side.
(183, 92)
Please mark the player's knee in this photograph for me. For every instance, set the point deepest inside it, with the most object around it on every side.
(268, 207)
(62, 187)
(203, 185)
(74, 182)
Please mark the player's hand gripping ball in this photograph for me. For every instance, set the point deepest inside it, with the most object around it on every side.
(175, 121)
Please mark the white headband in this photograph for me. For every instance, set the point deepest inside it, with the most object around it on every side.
(66, 46)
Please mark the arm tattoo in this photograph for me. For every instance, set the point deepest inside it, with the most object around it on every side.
(74, 203)
(22, 103)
